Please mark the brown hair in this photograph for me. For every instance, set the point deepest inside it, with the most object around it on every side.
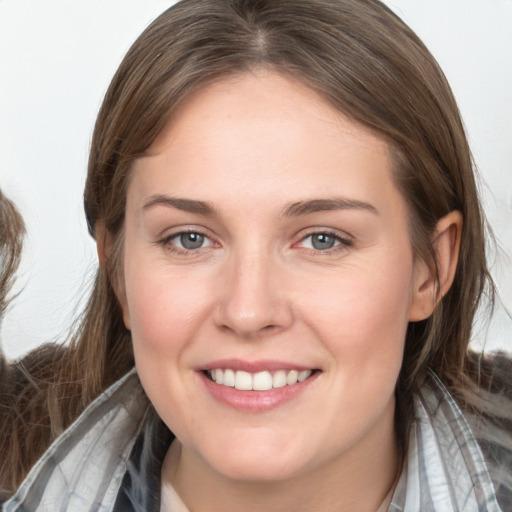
(12, 231)
(367, 63)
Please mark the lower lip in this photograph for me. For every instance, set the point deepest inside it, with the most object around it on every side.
(256, 401)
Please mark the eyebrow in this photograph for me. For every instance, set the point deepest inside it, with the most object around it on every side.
(187, 205)
(291, 210)
(325, 205)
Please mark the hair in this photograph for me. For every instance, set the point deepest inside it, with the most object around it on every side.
(12, 231)
(368, 64)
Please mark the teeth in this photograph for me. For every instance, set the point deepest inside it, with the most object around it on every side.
(261, 381)
(304, 375)
(279, 379)
(228, 379)
(243, 380)
(219, 374)
(292, 377)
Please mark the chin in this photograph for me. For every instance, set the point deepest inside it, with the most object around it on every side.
(261, 459)
(254, 469)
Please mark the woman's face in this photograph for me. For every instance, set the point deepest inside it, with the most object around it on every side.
(267, 244)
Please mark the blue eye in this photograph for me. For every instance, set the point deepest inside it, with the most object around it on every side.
(186, 241)
(191, 241)
(324, 241)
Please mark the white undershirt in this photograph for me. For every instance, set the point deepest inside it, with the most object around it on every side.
(170, 501)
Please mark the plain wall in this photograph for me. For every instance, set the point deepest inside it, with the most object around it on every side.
(56, 60)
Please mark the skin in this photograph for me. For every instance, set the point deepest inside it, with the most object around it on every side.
(250, 147)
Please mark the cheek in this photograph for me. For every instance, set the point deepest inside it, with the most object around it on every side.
(161, 316)
(362, 315)
(164, 317)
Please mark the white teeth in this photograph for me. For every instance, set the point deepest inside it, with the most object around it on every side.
(279, 379)
(228, 379)
(292, 377)
(219, 374)
(304, 375)
(243, 381)
(260, 381)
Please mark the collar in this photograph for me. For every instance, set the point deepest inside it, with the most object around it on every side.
(445, 470)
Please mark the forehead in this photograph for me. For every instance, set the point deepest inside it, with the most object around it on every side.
(258, 95)
(246, 134)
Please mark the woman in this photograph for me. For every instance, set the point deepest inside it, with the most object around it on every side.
(291, 253)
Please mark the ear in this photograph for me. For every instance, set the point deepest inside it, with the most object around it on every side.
(429, 287)
(104, 250)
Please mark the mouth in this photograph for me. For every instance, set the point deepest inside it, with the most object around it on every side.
(257, 386)
(257, 381)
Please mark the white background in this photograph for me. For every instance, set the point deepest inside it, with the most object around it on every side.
(56, 60)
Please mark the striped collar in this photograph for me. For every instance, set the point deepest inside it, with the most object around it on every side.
(445, 470)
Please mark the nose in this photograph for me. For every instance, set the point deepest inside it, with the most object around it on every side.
(253, 300)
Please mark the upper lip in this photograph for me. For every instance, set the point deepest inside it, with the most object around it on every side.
(253, 366)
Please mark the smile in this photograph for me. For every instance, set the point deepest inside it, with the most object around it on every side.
(260, 381)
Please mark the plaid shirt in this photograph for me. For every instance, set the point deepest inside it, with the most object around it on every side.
(109, 460)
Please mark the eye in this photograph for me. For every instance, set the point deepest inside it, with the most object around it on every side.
(323, 241)
(190, 241)
(187, 241)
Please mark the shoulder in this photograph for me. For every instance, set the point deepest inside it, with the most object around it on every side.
(99, 442)
(27, 415)
(492, 419)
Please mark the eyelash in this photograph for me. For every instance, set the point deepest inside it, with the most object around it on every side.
(172, 247)
(342, 243)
